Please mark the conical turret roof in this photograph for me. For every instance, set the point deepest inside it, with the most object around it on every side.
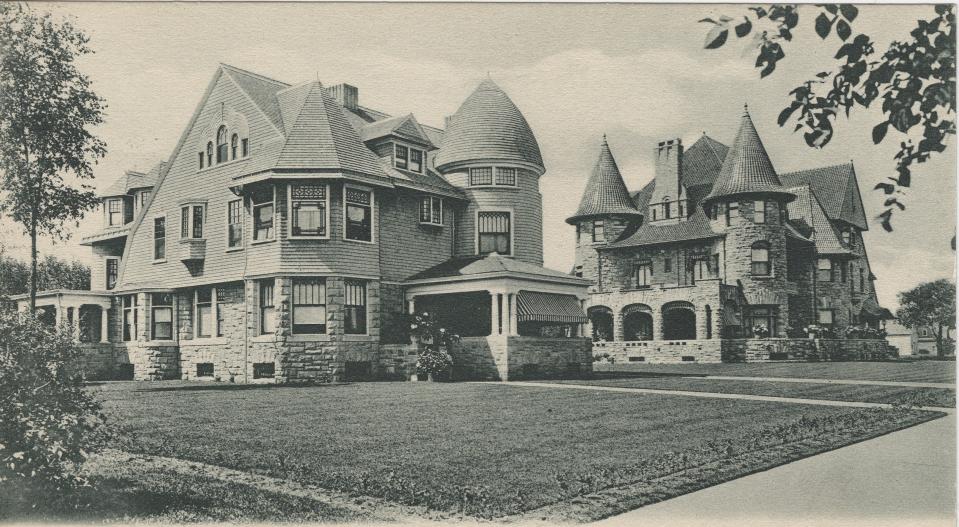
(489, 127)
(747, 168)
(605, 193)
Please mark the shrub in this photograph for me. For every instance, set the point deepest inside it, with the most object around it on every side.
(435, 342)
(48, 424)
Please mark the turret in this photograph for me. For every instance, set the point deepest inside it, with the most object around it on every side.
(490, 152)
(605, 211)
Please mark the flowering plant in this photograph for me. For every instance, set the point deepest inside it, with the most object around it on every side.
(863, 332)
(435, 342)
(761, 331)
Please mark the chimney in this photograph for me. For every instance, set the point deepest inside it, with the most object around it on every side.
(348, 96)
(669, 157)
(446, 122)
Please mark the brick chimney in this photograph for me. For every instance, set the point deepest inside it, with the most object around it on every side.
(669, 157)
(446, 122)
(348, 96)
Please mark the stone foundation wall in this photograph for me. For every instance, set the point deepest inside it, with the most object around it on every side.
(532, 357)
(758, 350)
(396, 361)
(661, 351)
(150, 362)
(97, 361)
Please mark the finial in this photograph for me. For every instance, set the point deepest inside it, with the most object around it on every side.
(604, 138)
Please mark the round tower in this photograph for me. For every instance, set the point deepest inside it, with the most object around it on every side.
(489, 151)
(748, 202)
(605, 211)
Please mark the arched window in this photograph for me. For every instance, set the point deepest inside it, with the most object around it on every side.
(234, 144)
(709, 322)
(760, 259)
(209, 153)
(667, 213)
(221, 145)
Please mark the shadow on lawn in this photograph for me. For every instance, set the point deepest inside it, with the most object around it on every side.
(625, 374)
(239, 387)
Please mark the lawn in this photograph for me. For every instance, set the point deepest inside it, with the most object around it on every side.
(942, 397)
(483, 450)
(905, 371)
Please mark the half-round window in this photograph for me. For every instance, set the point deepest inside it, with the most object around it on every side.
(221, 145)
(234, 144)
(760, 258)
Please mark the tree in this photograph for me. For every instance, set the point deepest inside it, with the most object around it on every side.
(915, 78)
(52, 273)
(932, 305)
(46, 110)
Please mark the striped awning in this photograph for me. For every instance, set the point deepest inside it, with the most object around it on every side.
(548, 307)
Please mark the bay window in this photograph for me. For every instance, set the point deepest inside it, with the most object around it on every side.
(358, 214)
(308, 210)
(191, 222)
(431, 210)
(309, 306)
(494, 233)
(354, 309)
(234, 221)
(263, 209)
(161, 316)
(267, 307)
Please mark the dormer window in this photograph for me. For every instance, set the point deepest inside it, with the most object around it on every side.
(431, 211)
(114, 212)
(416, 160)
(401, 157)
(221, 147)
(408, 158)
(847, 237)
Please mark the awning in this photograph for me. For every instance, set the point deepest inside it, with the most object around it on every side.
(548, 307)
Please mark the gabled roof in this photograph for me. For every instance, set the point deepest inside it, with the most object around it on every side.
(318, 135)
(808, 208)
(488, 126)
(404, 126)
(428, 181)
(476, 266)
(261, 90)
(696, 226)
(605, 192)
(131, 180)
(747, 168)
(838, 190)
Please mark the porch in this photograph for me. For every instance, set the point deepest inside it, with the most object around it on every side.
(84, 313)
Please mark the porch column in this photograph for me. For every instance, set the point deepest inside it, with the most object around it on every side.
(513, 310)
(104, 325)
(411, 305)
(581, 328)
(495, 313)
(75, 323)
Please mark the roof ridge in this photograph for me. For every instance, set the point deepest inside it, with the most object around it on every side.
(298, 85)
(252, 74)
(837, 165)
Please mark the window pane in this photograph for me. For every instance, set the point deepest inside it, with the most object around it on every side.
(401, 156)
(506, 176)
(437, 213)
(204, 320)
(416, 160)
(198, 221)
(263, 222)
(425, 206)
(481, 176)
(358, 224)
(185, 222)
(309, 218)
(267, 320)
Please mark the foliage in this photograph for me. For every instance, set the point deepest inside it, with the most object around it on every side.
(53, 273)
(915, 78)
(863, 332)
(435, 343)
(817, 331)
(48, 424)
(47, 108)
(760, 331)
(932, 305)
(604, 357)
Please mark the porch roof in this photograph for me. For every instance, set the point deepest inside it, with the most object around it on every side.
(491, 266)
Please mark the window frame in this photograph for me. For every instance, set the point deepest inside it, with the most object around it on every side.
(366, 305)
(759, 211)
(512, 229)
(433, 200)
(189, 222)
(761, 245)
(153, 322)
(253, 208)
(820, 269)
(702, 269)
(106, 271)
(110, 213)
(372, 208)
(405, 158)
(637, 283)
(241, 219)
(730, 207)
(830, 311)
(262, 306)
(161, 258)
(325, 304)
(234, 145)
(602, 231)
(222, 148)
(422, 161)
(214, 307)
(133, 310)
(326, 207)
(512, 178)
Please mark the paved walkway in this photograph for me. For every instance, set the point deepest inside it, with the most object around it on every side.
(904, 478)
(904, 384)
(715, 395)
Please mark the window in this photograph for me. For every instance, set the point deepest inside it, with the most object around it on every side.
(264, 370)
(401, 157)
(765, 316)
(862, 280)
(144, 197)
(308, 209)
(845, 237)
(204, 369)
(245, 146)
(679, 205)
(416, 160)
(599, 231)
(191, 222)
(667, 209)
(506, 176)
(209, 154)
(842, 272)
(130, 316)
(219, 300)
(481, 176)
(234, 223)
(262, 214)
(234, 145)
(204, 312)
(494, 232)
(732, 210)
(114, 212)
(431, 210)
(643, 274)
(161, 315)
(354, 316)
(759, 211)
(824, 316)
(201, 159)
(760, 259)
(359, 214)
(267, 308)
(824, 270)
(701, 269)
(309, 305)
(159, 238)
(578, 272)
(668, 264)
(113, 266)
(654, 214)
(221, 146)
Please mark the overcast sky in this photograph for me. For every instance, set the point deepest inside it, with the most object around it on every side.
(638, 73)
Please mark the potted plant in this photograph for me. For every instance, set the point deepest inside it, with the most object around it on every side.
(434, 359)
(761, 331)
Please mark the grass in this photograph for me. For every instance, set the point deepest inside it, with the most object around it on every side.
(483, 450)
(905, 371)
(942, 397)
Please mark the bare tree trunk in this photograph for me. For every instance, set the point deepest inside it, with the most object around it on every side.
(33, 261)
(939, 351)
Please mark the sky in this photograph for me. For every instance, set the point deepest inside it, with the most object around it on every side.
(637, 73)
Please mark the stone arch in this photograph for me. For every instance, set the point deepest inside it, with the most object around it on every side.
(679, 321)
(637, 322)
(601, 320)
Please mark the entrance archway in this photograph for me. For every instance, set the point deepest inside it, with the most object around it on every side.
(679, 321)
(601, 319)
